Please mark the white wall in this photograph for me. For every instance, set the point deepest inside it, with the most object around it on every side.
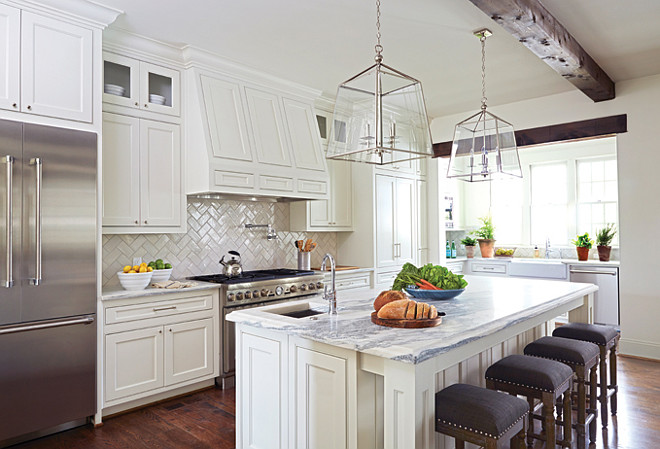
(639, 183)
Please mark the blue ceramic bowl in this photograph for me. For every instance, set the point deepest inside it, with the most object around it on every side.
(419, 293)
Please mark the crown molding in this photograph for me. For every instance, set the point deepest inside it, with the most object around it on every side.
(117, 40)
(83, 11)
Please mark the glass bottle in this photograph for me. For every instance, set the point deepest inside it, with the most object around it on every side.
(448, 250)
(453, 250)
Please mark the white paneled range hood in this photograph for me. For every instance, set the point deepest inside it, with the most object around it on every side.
(250, 136)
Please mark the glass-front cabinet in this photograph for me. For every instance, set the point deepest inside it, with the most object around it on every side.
(140, 85)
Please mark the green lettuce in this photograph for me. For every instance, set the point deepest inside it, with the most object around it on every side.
(435, 274)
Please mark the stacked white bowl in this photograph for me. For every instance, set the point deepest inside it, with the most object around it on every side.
(134, 281)
(156, 99)
(114, 89)
(161, 275)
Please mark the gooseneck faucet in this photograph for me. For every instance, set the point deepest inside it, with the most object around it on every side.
(330, 294)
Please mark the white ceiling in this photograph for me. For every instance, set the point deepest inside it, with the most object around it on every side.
(320, 43)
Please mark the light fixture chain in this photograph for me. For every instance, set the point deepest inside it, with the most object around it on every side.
(378, 47)
(483, 72)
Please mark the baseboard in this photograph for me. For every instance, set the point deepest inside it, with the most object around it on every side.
(639, 348)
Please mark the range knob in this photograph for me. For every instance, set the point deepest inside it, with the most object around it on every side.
(255, 294)
(303, 287)
(239, 296)
(230, 297)
(248, 294)
(293, 289)
(264, 292)
(312, 286)
(279, 290)
(319, 285)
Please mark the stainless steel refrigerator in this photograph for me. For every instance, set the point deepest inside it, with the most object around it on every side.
(48, 279)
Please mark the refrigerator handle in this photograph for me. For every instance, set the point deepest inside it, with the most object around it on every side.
(36, 161)
(13, 329)
(9, 281)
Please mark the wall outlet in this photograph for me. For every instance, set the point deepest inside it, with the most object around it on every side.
(137, 260)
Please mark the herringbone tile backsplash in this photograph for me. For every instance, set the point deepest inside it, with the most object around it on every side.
(215, 227)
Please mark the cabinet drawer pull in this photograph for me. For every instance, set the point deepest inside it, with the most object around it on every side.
(160, 309)
(611, 273)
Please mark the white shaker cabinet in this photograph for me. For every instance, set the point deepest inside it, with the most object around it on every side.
(10, 57)
(56, 68)
(396, 222)
(188, 350)
(142, 176)
(333, 214)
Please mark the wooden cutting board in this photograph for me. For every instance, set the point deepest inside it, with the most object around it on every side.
(337, 268)
(408, 324)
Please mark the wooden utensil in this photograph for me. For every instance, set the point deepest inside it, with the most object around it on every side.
(312, 247)
(308, 244)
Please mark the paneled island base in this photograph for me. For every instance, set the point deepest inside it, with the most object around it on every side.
(344, 382)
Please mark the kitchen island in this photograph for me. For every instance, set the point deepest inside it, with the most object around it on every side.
(343, 381)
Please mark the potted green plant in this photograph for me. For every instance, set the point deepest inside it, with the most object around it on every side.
(603, 240)
(486, 236)
(470, 246)
(583, 244)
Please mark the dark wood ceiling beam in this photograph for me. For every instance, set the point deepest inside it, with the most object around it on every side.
(583, 129)
(532, 24)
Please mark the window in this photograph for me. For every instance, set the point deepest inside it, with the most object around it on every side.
(549, 202)
(596, 195)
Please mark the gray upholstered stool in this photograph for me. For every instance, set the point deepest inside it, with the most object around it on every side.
(480, 416)
(607, 339)
(582, 357)
(535, 378)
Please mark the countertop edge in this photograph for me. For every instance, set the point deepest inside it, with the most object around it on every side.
(115, 292)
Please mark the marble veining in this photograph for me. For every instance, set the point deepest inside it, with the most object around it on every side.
(488, 305)
(116, 292)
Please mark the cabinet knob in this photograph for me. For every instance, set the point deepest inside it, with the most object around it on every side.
(160, 331)
(136, 222)
(146, 105)
(170, 329)
(137, 104)
(145, 222)
(14, 105)
(29, 108)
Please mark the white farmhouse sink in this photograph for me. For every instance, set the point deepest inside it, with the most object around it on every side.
(538, 268)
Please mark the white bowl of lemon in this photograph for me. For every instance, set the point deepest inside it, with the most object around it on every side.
(135, 277)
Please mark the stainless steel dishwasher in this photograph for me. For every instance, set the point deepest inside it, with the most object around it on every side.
(606, 299)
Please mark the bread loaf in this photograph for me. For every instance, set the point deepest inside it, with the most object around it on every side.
(407, 309)
(388, 296)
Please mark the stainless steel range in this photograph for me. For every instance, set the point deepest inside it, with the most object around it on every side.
(254, 289)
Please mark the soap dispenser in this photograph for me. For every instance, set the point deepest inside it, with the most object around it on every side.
(537, 253)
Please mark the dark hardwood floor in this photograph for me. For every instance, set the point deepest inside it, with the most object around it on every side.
(206, 420)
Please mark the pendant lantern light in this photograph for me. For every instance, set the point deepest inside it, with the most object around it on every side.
(380, 115)
(484, 145)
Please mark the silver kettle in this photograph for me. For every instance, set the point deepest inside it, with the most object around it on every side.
(233, 266)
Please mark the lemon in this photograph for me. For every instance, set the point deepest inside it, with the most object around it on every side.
(132, 271)
(143, 264)
(142, 270)
(127, 268)
(136, 268)
(149, 269)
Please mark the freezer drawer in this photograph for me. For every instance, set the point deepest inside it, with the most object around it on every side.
(606, 299)
(47, 376)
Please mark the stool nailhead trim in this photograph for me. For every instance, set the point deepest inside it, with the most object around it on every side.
(566, 361)
(521, 385)
(479, 431)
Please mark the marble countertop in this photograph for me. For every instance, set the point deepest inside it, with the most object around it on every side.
(611, 263)
(111, 292)
(488, 305)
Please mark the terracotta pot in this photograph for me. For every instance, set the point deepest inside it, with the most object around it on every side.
(604, 253)
(487, 247)
(469, 251)
(582, 252)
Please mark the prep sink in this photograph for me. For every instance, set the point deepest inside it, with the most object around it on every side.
(298, 309)
(538, 268)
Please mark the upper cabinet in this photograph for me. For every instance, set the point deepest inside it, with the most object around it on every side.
(140, 85)
(250, 139)
(47, 66)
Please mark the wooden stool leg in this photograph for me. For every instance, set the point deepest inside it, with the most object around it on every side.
(603, 385)
(460, 444)
(521, 439)
(568, 424)
(582, 411)
(530, 426)
(613, 378)
(592, 401)
(549, 415)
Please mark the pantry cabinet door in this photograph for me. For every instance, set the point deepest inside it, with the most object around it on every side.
(320, 400)
(406, 221)
(133, 362)
(56, 68)
(386, 251)
(10, 60)
(341, 193)
(267, 128)
(121, 170)
(160, 180)
(189, 350)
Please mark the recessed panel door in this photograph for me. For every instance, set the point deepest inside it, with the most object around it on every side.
(406, 221)
(10, 59)
(267, 128)
(386, 251)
